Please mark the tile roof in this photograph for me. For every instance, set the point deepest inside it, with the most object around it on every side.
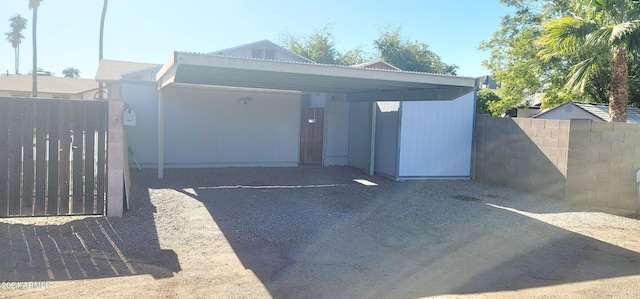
(47, 84)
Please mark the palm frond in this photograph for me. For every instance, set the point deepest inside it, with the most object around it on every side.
(581, 73)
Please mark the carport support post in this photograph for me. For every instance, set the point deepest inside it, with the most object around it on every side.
(160, 133)
(372, 146)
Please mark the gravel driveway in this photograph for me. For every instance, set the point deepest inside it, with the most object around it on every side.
(311, 232)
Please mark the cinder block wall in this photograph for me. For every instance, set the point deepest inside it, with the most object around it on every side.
(522, 153)
(603, 160)
(579, 161)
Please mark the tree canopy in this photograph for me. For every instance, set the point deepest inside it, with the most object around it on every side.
(527, 65)
(17, 23)
(71, 72)
(391, 46)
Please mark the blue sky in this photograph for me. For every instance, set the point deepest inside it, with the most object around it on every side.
(148, 31)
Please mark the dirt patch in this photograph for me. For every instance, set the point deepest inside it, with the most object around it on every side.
(314, 232)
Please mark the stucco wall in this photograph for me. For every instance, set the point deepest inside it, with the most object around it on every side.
(142, 98)
(436, 138)
(212, 128)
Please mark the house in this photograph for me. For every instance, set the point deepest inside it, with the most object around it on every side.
(262, 105)
(48, 87)
(594, 112)
(377, 64)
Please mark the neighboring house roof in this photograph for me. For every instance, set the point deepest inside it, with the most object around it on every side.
(46, 84)
(112, 70)
(600, 111)
(261, 44)
(377, 64)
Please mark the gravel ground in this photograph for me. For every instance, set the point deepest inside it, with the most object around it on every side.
(312, 232)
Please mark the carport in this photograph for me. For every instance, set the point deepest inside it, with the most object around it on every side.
(368, 86)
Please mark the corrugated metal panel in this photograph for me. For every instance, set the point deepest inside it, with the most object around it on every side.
(436, 138)
(387, 138)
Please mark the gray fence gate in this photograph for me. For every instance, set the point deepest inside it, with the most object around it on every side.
(52, 157)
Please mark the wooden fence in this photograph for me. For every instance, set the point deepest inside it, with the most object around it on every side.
(52, 157)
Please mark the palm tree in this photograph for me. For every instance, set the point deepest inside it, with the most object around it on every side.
(104, 14)
(71, 72)
(15, 37)
(608, 27)
(33, 5)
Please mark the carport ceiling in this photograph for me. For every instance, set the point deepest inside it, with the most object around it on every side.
(359, 84)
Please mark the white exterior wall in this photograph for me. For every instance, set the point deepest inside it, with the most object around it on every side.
(569, 111)
(436, 138)
(142, 98)
(336, 131)
(211, 128)
(359, 135)
(387, 138)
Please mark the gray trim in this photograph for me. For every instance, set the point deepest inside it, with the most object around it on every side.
(473, 132)
(399, 139)
(372, 140)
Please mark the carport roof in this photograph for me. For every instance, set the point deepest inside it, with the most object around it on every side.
(358, 83)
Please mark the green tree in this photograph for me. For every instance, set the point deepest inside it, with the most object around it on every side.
(484, 98)
(319, 46)
(15, 37)
(514, 62)
(71, 72)
(34, 5)
(394, 48)
(610, 27)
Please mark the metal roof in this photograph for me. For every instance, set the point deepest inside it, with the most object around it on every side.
(360, 84)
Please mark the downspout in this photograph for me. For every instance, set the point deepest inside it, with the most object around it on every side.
(372, 147)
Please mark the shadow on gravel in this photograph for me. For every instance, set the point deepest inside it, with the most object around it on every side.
(313, 232)
(88, 248)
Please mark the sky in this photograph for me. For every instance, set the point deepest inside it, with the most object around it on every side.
(149, 31)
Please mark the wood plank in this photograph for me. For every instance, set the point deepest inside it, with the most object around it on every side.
(4, 157)
(27, 158)
(41, 156)
(101, 176)
(15, 156)
(65, 152)
(54, 151)
(90, 132)
(78, 150)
